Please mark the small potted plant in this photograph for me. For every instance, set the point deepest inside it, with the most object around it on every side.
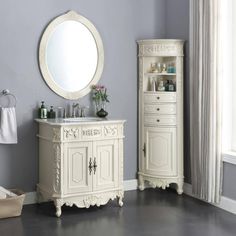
(100, 98)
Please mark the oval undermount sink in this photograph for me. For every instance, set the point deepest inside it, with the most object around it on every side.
(82, 119)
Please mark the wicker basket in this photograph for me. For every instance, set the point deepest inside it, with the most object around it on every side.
(11, 207)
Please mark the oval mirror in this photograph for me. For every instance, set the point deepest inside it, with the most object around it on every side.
(71, 55)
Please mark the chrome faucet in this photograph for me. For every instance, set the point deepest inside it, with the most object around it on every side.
(74, 106)
(82, 114)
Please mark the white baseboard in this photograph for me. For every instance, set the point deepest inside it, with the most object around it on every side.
(226, 203)
(131, 184)
(31, 197)
(188, 189)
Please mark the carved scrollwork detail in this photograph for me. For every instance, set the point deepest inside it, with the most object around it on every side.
(110, 131)
(87, 201)
(98, 200)
(91, 132)
(92, 201)
(161, 48)
(56, 134)
(140, 73)
(71, 133)
(57, 167)
(158, 183)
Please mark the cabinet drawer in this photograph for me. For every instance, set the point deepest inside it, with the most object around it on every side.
(160, 120)
(160, 97)
(168, 109)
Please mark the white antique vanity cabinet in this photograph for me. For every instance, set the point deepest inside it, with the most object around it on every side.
(161, 113)
(80, 163)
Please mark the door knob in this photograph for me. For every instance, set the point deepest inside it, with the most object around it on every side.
(94, 165)
(144, 149)
(90, 166)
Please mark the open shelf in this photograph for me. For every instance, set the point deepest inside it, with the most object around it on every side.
(159, 74)
(156, 92)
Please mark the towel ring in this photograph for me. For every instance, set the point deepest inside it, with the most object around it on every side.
(6, 92)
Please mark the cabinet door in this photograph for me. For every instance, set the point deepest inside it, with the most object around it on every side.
(77, 177)
(106, 158)
(160, 151)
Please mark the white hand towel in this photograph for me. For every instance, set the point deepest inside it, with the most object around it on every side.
(8, 126)
(7, 192)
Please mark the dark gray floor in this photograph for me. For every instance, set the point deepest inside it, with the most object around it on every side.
(152, 212)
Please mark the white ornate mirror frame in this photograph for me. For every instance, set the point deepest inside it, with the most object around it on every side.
(70, 16)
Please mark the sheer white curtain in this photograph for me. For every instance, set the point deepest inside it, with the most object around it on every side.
(206, 98)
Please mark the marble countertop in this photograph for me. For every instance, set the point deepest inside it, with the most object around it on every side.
(85, 121)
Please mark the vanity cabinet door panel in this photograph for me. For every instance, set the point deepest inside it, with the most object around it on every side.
(77, 176)
(161, 151)
(106, 159)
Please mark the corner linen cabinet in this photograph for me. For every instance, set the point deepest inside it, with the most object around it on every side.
(80, 163)
(161, 113)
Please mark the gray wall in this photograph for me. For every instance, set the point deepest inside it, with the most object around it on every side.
(120, 24)
(177, 26)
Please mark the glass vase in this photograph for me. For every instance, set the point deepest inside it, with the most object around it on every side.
(101, 110)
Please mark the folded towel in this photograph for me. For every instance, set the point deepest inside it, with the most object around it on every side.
(2, 195)
(8, 126)
(6, 192)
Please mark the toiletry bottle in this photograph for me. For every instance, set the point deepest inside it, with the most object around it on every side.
(153, 85)
(163, 68)
(43, 111)
(169, 68)
(159, 69)
(161, 86)
(52, 114)
(173, 68)
(171, 86)
(167, 85)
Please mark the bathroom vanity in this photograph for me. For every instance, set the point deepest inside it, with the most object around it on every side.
(80, 161)
(80, 158)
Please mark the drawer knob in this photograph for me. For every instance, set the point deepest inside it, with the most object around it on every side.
(158, 120)
(158, 98)
(158, 109)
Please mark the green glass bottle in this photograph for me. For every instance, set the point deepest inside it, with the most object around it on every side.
(43, 111)
(167, 85)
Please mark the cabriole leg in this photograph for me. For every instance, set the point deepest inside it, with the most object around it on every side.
(179, 188)
(58, 204)
(141, 183)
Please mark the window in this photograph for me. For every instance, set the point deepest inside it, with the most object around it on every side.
(228, 21)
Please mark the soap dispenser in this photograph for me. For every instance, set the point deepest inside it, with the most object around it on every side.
(52, 114)
(43, 111)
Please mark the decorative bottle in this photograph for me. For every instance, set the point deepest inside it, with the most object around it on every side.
(43, 111)
(52, 114)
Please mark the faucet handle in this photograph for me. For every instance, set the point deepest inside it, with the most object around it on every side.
(75, 105)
